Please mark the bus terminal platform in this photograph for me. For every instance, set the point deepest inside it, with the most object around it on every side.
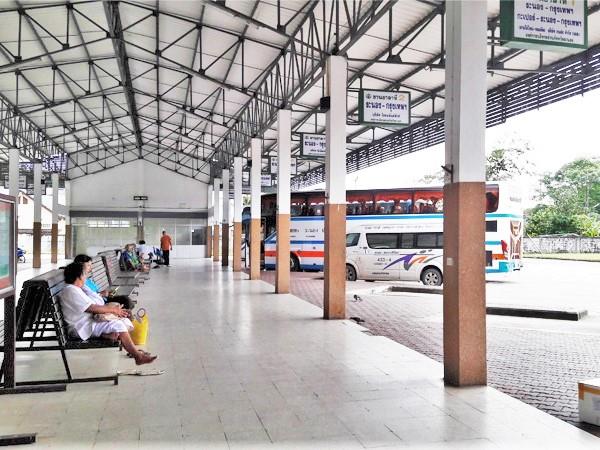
(247, 368)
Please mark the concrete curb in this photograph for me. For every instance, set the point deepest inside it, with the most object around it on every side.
(514, 311)
(416, 290)
(537, 313)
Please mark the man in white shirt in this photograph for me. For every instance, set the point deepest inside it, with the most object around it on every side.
(144, 251)
(78, 310)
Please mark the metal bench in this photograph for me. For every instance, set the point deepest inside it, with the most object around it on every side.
(100, 277)
(40, 327)
(115, 275)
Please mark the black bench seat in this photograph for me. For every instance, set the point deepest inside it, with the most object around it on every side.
(40, 327)
(100, 277)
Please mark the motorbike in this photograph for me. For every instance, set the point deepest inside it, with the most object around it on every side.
(20, 255)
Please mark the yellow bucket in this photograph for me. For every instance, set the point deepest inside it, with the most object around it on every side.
(140, 321)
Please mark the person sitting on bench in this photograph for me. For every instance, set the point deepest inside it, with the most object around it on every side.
(78, 310)
(92, 289)
(144, 252)
(132, 261)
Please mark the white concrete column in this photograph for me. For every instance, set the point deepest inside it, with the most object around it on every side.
(255, 238)
(335, 186)
(37, 215)
(68, 228)
(216, 217)
(13, 172)
(225, 221)
(54, 235)
(238, 207)
(464, 195)
(209, 220)
(284, 161)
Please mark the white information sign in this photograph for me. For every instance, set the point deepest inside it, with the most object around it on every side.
(384, 107)
(274, 164)
(314, 145)
(265, 179)
(245, 177)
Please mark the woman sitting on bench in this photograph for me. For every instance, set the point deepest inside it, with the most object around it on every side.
(79, 309)
(92, 290)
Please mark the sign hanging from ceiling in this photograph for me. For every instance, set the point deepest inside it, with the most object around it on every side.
(245, 177)
(314, 145)
(265, 179)
(274, 165)
(294, 167)
(558, 25)
(390, 108)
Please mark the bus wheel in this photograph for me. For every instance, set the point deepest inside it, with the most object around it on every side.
(294, 263)
(431, 277)
(350, 273)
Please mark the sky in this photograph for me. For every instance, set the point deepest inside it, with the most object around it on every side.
(557, 133)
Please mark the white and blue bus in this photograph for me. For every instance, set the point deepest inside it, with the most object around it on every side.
(394, 224)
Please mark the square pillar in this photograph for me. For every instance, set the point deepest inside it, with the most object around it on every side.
(54, 232)
(216, 218)
(13, 172)
(255, 152)
(225, 228)
(68, 229)
(464, 195)
(238, 207)
(37, 215)
(284, 161)
(209, 220)
(335, 190)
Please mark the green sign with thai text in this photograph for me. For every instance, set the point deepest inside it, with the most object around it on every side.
(553, 25)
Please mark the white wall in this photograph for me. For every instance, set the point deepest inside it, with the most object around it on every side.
(114, 189)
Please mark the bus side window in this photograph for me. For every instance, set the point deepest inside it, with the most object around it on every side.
(491, 202)
(491, 226)
(407, 240)
(426, 240)
(440, 240)
(352, 239)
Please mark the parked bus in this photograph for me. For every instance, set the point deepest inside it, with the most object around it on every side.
(394, 234)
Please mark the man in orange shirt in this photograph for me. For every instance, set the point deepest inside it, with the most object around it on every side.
(166, 246)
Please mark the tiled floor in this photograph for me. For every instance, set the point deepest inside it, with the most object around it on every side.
(246, 368)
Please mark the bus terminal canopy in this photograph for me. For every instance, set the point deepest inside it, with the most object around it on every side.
(88, 85)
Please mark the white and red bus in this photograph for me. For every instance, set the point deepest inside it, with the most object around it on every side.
(406, 211)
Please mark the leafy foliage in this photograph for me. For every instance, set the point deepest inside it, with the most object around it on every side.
(508, 163)
(504, 163)
(573, 197)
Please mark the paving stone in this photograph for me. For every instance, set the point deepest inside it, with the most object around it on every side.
(538, 367)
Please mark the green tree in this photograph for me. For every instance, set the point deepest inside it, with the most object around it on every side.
(505, 162)
(575, 187)
(508, 162)
(572, 197)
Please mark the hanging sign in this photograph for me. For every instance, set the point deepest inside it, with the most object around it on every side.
(558, 25)
(22, 181)
(273, 164)
(265, 179)
(391, 108)
(245, 177)
(313, 145)
(293, 168)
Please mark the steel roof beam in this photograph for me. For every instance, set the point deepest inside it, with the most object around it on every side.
(113, 18)
(287, 94)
